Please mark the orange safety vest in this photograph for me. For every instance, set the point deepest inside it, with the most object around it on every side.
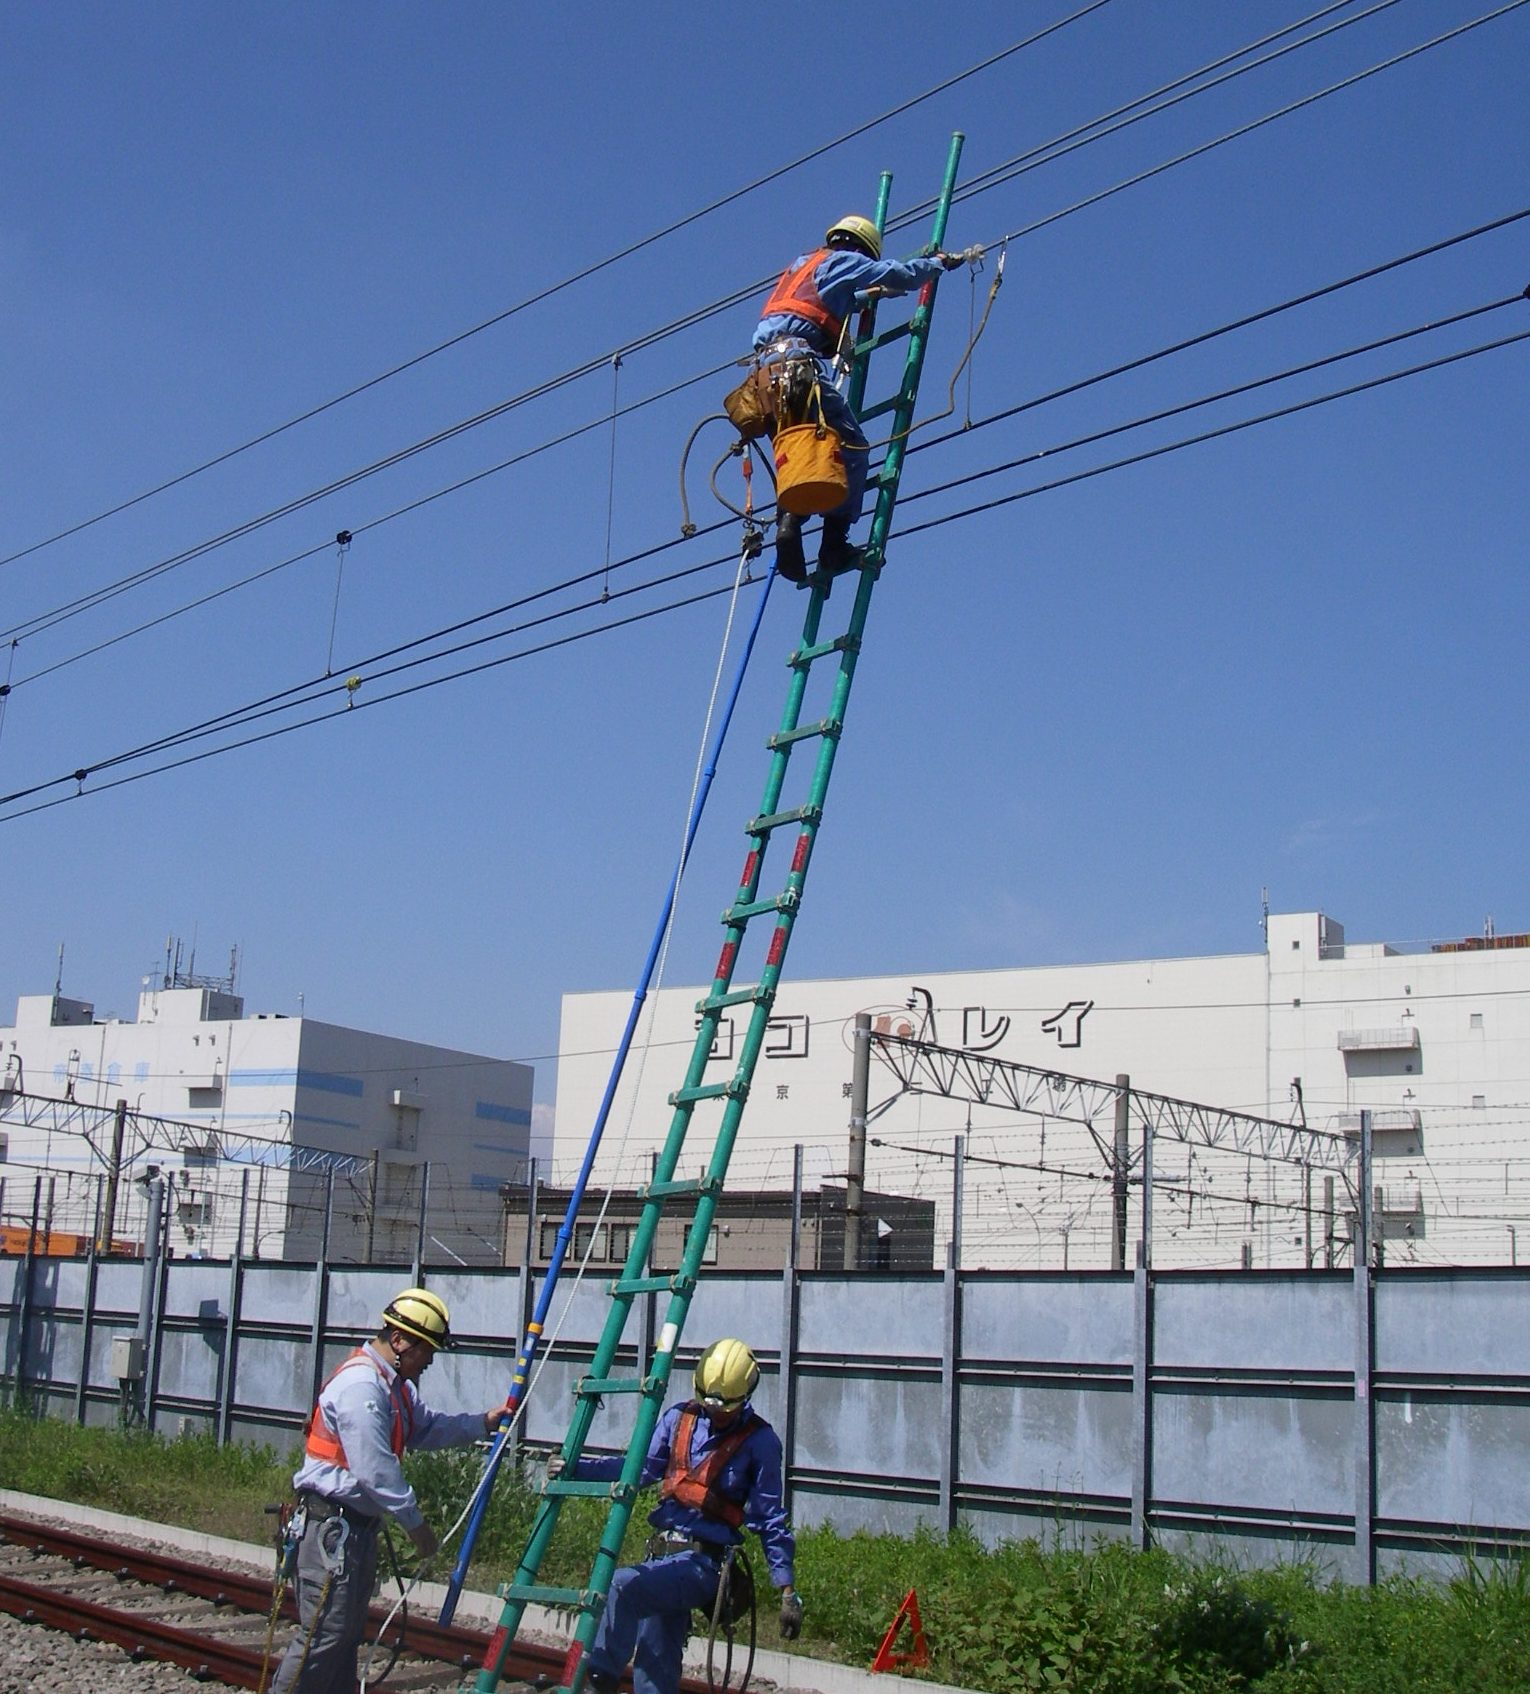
(797, 293)
(696, 1486)
(321, 1442)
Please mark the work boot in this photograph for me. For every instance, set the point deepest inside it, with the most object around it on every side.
(790, 562)
(602, 1681)
(835, 554)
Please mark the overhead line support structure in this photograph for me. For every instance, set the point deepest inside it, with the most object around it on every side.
(923, 1067)
(650, 1385)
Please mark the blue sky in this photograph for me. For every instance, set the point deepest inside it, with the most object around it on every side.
(1089, 724)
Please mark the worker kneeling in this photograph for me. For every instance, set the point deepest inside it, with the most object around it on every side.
(368, 1413)
(718, 1466)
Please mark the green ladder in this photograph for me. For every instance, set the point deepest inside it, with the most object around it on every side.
(781, 909)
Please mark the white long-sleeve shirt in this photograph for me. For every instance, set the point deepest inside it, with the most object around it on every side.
(358, 1405)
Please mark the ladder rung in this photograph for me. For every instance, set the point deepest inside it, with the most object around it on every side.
(826, 726)
(883, 338)
(840, 644)
(785, 902)
(679, 1283)
(882, 407)
(774, 820)
(736, 997)
(596, 1385)
(689, 1185)
(585, 1599)
(588, 1490)
(733, 1089)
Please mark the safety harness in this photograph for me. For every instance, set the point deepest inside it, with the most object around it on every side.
(320, 1440)
(797, 293)
(697, 1485)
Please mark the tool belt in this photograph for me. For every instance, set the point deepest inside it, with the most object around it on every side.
(668, 1542)
(774, 394)
(320, 1508)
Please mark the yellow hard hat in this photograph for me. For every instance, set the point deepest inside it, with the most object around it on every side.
(727, 1372)
(858, 232)
(420, 1313)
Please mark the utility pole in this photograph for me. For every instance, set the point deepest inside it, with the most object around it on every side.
(1119, 1163)
(113, 1180)
(855, 1176)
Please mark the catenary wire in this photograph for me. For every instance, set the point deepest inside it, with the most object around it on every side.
(1257, 123)
(286, 699)
(405, 510)
(1213, 434)
(1201, 339)
(701, 314)
(567, 282)
(1135, 111)
(79, 776)
(1224, 394)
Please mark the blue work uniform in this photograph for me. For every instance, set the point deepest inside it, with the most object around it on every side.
(841, 277)
(648, 1610)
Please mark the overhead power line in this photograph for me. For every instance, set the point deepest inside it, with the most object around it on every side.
(503, 609)
(1259, 123)
(80, 776)
(288, 699)
(46, 620)
(568, 282)
(1150, 105)
(1139, 363)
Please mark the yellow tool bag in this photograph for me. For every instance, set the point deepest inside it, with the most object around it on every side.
(810, 469)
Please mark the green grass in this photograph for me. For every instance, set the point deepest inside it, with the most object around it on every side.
(1107, 1619)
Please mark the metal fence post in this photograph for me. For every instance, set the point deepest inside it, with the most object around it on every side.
(229, 1362)
(24, 1294)
(1142, 1358)
(786, 1397)
(321, 1296)
(1365, 1365)
(156, 1351)
(149, 1292)
(951, 1347)
(88, 1312)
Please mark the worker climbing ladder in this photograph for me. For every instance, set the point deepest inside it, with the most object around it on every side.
(779, 911)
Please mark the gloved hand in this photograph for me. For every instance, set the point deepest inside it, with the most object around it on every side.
(424, 1539)
(967, 256)
(791, 1614)
(494, 1417)
(555, 1466)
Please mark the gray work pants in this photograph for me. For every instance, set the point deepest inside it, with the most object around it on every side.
(334, 1588)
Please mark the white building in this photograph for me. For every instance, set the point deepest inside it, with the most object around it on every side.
(1432, 1039)
(269, 1111)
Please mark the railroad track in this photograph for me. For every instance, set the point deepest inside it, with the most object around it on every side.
(212, 1623)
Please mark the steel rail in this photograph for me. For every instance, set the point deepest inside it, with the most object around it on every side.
(458, 1646)
(143, 1637)
(447, 1644)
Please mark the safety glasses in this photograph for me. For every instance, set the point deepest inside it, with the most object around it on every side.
(714, 1403)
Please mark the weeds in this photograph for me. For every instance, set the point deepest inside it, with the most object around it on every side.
(1013, 1619)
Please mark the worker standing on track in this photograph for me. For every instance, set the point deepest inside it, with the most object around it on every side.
(804, 318)
(718, 1464)
(368, 1413)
